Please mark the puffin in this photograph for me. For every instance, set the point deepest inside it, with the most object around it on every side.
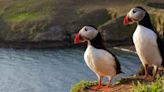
(100, 60)
(148, 44)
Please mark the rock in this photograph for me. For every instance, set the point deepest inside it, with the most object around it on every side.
(156, 3)
(95, 17)
(55, 33)
(54, 37)
(115, 32)
(46, 33)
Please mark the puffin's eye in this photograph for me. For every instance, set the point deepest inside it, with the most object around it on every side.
(85, 29)
(134, 11)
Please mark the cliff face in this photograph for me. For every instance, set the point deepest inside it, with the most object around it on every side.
(53, 23)
(115, 33)
(155, 1)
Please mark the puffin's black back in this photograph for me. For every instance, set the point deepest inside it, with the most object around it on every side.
(97, 42)
(146, 22)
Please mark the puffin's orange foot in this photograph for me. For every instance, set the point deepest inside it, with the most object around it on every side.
(152, 79)
(100, 88)
(146, 77)
(96, 87)
(105, 88)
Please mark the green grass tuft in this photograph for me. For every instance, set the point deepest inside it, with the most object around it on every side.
(82, 85)
(157, 86)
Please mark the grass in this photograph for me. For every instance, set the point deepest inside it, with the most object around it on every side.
(157, 86)
(25, 16)
(81, 85)
(130, 84)
(14, 8)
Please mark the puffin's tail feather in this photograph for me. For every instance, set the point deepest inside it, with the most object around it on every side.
(118, 66)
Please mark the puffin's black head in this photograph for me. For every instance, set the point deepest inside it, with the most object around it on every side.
(87, 33)
(136, 14)
(140, 8)
(91, 34)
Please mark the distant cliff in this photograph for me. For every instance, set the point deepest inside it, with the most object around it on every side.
(53, 23)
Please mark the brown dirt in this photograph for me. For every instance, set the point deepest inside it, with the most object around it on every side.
(115, 88)
(125, 85)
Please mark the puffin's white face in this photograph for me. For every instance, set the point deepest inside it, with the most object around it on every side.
(134, 15)
(86, 33)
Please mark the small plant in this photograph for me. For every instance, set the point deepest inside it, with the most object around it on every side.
(82, 85)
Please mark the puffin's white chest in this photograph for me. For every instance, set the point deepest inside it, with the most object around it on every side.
(100, 61)
(145, 41)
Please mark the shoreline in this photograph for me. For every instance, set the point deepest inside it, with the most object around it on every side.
(34, 44)
(57, 44)
(129, 49)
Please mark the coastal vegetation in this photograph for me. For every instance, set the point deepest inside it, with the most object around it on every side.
(129, 84)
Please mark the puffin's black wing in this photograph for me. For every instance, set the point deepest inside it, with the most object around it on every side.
(118, 66)
(161, 48)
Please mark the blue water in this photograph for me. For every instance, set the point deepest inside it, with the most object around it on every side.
(50, 70)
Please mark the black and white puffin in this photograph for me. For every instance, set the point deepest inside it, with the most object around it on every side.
(101, 61)
(148, 44)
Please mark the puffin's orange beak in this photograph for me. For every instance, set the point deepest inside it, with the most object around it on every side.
(79, 39)
(76, 39)
(127, 20)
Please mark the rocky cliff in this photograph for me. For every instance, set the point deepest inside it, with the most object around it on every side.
(52, 23)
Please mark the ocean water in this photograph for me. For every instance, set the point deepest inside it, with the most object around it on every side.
(51, 70)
